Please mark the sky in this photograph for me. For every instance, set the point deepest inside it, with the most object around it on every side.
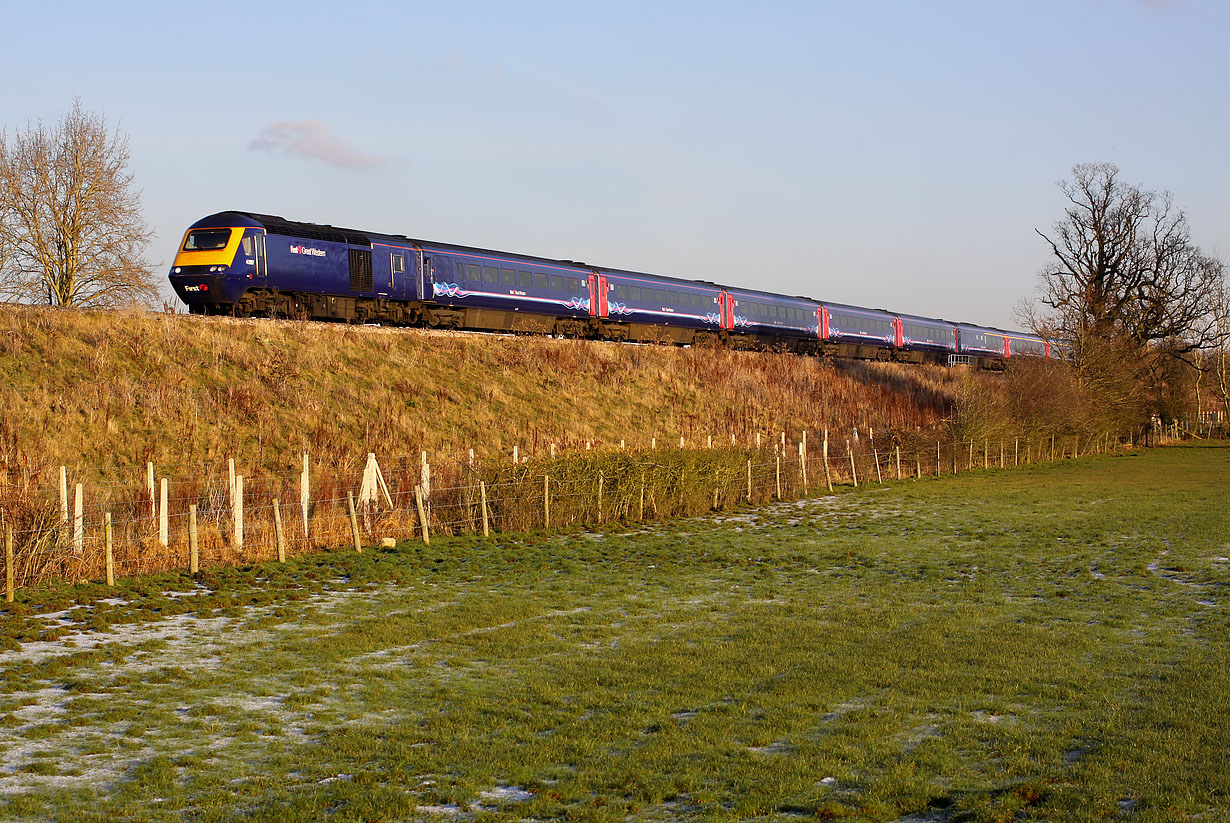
(889, 154)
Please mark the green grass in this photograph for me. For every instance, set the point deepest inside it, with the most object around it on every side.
(1036, 644)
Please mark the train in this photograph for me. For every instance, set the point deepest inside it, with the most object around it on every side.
(246, 264)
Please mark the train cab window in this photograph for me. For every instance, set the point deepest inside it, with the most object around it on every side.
(621, 292)
(540, 281)
(659, 295)
(572, 284)
(207, 239)
(473, 273)
(557, 282)
(508, 277)
(524, 279)
(246, 245)
(634, 292)
(398, 263)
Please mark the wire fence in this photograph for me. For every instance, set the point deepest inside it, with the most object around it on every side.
(62, 525)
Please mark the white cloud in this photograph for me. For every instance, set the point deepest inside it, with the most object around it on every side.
(314, 141)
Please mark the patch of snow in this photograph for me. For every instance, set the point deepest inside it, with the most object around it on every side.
(507, 794)
(448, 810)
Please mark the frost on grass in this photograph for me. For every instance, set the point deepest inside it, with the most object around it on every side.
(97, 732)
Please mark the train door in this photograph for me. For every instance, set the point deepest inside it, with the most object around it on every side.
(824, 323)
(397, 272)
(898, 332)
(260, 271)
(599, 303)
(726, 309)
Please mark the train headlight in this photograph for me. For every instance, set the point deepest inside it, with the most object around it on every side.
(177, 269)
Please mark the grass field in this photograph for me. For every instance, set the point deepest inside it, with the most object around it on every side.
(1044, 643)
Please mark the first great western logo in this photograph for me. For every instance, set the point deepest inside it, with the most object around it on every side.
(301, 249)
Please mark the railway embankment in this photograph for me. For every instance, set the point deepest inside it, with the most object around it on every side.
(105, 391)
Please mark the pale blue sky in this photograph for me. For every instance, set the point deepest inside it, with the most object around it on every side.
(894, 154)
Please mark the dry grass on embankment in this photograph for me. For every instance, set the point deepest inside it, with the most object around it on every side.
(104, 393)
(96, 390)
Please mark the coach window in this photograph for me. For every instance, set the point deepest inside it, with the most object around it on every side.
(634, 292)
(508, 277)
(524, 279)
(621, 292)
(659, 295)
(473, 272)
(573, 284)
(557, 282)
(540, 281)
(491, 274)
(672, 297)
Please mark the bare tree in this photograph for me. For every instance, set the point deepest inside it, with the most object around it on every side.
(70, 218)
(1125, 266)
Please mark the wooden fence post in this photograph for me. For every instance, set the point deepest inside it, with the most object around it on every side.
(418, 499)
(237, 511)
(937, 458)
(898, 449)
(1016, 451)
(1001, 454)
(749, 480)
(110, 556)
(277, 531)
(516, 454)
(875, 454)
(354, 520)
(164, 519)
(642, 495)
(971, 455)
(9, 576)
(230, 475)
(305, 499)
(803, 465)
(828, 473)
(600, 479)
(78, 523)
(546, 501)
(778, 458)
(149, 483)
(194, 556)
(853, 468)
(64, 495)
(482, 489)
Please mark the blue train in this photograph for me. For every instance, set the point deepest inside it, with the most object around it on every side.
(244, 264)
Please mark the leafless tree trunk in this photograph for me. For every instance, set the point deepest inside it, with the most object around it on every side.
(71, 232)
